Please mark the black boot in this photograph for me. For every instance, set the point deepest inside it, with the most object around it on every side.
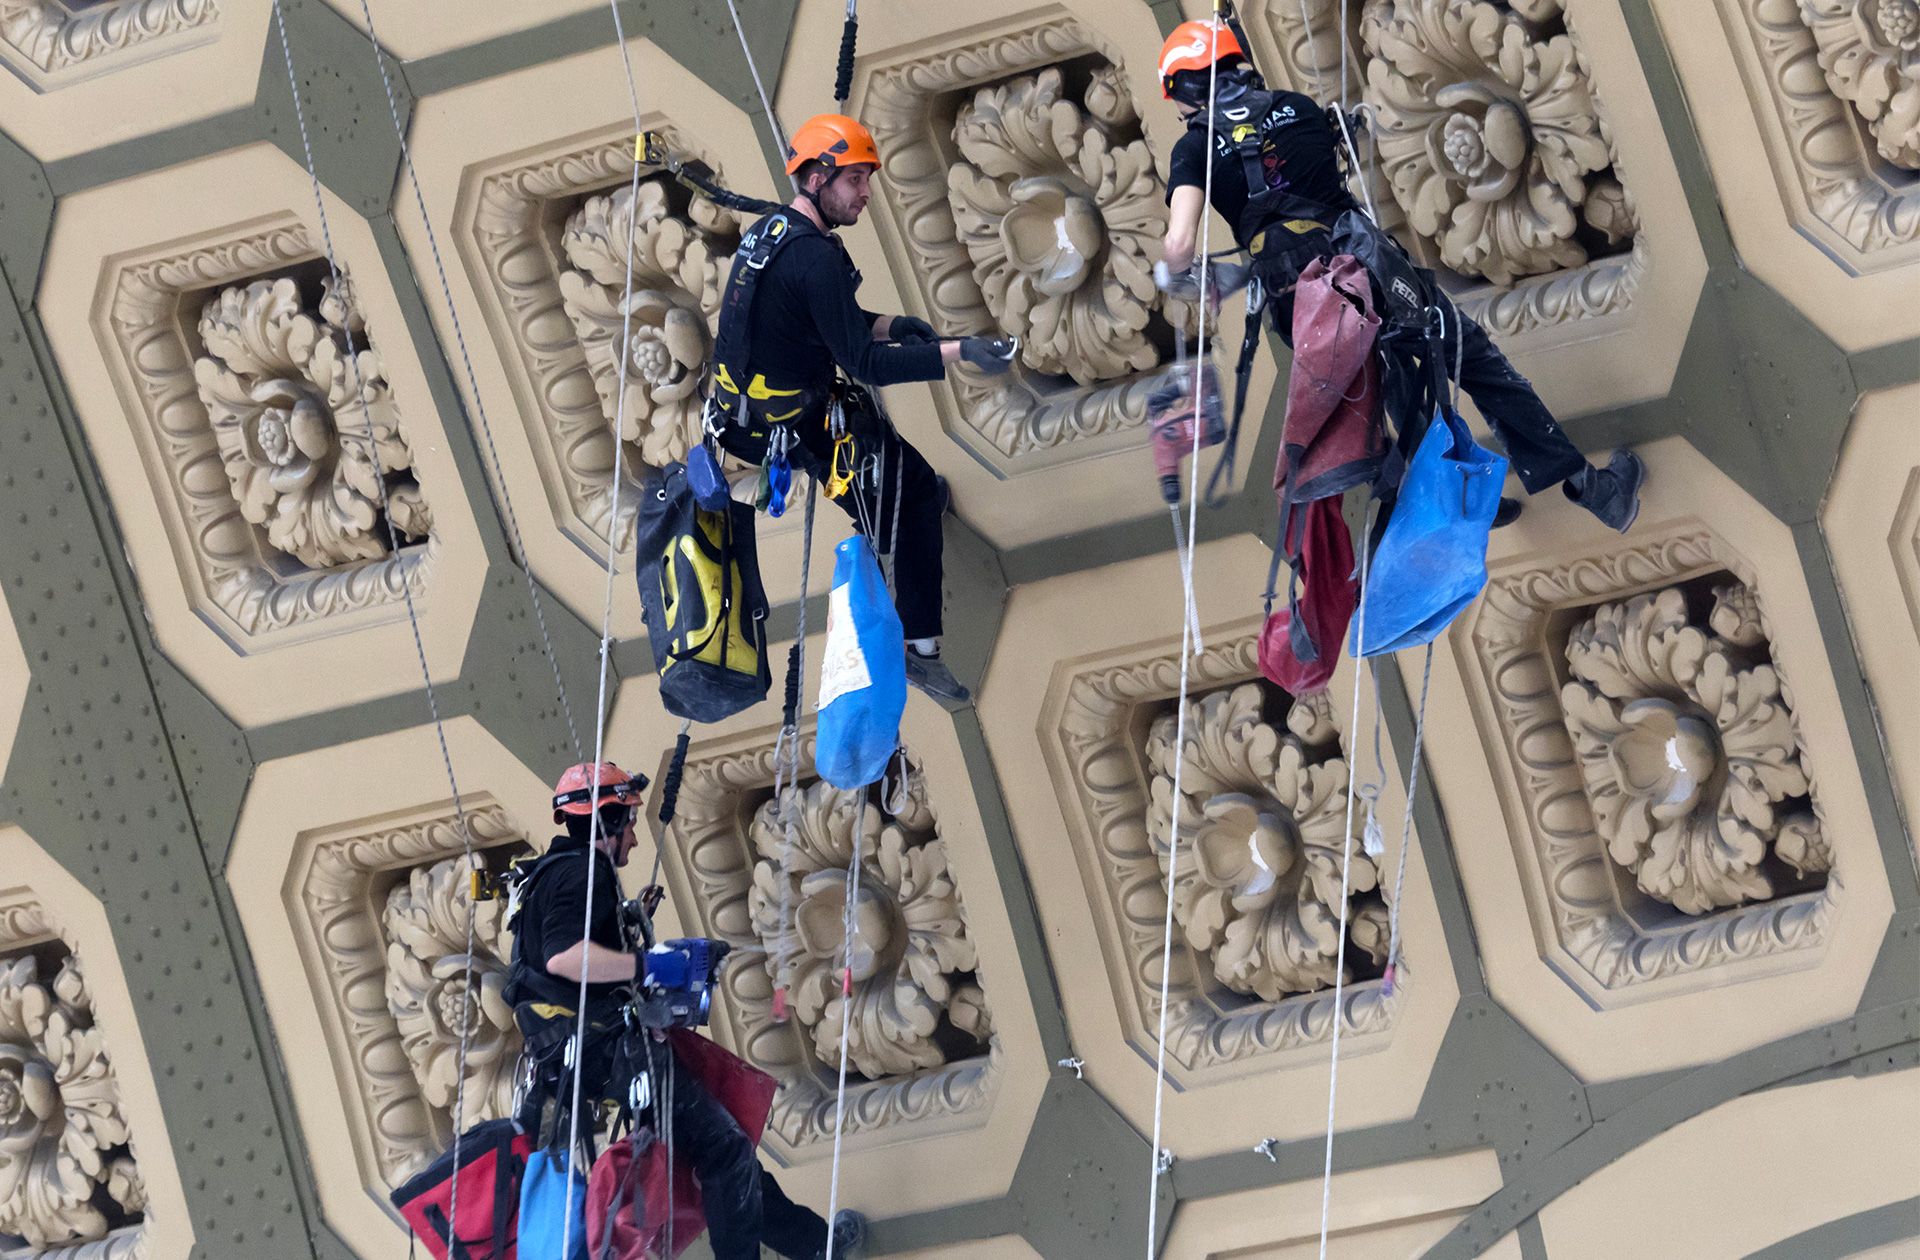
(1507, 513)
(1612, 493)
(849, 1235)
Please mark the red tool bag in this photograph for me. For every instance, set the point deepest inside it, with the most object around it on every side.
(1300, 643)
(492, 1157)
(627, 1193)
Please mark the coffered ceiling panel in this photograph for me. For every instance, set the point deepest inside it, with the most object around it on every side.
(258, 431)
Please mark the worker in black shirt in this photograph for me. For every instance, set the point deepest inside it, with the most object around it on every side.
(788, 320)
(1288, 223)
(745, 1206)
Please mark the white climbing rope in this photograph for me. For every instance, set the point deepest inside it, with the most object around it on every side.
(849, 927)
(606, 645)
(406, 590)
(1189, 648)
(511, 517)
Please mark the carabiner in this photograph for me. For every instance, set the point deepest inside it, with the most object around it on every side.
(841, 471)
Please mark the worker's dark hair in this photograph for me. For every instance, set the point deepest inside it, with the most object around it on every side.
(809, 169)
(1190, 86)
(613, 820)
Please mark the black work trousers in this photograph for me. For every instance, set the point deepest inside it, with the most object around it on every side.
(745, 1206)
(906, 479)
(1538, 449)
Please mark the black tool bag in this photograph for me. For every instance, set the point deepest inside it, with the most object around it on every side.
(701, 599)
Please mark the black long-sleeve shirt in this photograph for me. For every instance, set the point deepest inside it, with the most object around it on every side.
(805, 320)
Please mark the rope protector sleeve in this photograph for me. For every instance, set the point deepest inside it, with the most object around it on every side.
(843, 79)
(676, 770)
(790, 706)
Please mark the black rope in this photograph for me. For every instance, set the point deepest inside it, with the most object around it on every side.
(790, 709)
(676, 770)
(843, 79)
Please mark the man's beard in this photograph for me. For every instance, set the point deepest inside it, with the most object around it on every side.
(837, 217)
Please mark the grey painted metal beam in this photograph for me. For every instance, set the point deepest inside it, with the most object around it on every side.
(1849, 1235)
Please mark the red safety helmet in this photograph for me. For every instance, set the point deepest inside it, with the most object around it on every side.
(834, 139)
(1194, 46)
(577, 794)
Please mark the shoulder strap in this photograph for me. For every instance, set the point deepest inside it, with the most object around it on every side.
(733, 348)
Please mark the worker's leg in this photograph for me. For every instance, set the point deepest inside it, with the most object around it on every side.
(917, 573)
(789, 1229)
(1537, 447)
(724, 1161)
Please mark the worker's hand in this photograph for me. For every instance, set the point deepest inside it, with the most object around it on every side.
(1177, 284)
(992, 355)
(650, 898)
(908, 329)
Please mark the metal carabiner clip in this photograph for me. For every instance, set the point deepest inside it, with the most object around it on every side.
(841, 471)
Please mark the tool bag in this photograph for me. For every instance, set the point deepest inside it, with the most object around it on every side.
(1432, 557)
(493, 1157)
(863, 672)
(553, 1207)
(701, 600)
(1299, 644)
(1333, 438)
(627, 1195)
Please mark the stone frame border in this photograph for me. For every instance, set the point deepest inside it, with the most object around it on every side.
(1840, 206)
(1593, 945)
(1105, 695)
(241, 597)
(49, 46)
(709, 865)
(343, 948)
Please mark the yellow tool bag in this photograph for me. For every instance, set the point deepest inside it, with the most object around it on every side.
(701, 599)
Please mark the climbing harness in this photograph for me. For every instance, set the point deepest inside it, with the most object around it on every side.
(1189, 648)
(406, 589)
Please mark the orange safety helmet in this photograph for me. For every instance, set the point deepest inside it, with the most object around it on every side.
(1193, 46)
(834, 139)
(575, 793)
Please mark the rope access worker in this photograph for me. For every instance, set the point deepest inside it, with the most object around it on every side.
(745, 1206)
(1290, 151)
(787, 321)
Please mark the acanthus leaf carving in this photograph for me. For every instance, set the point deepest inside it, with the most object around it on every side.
(1869, 51)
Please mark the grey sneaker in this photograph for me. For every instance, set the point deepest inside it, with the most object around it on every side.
(849, 1235)
(1613, 493)
(930, 675)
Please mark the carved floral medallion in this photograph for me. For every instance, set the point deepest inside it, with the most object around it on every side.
(1490, 135)
(1651, 765)
(914, 994)
(254, 425)
(307, 435)
(1869, 51)
(51, 43)
(549, 241)
(923, 1057)
(69, 1183)
(1038, 211)
(381, 910)
(1262, 817)
(1263, 811)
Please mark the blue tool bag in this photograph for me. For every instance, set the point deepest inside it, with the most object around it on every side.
(863, 672)
(546, 1204)
(1432, 558)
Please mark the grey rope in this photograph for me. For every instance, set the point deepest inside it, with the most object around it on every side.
(849, 926)
(406, 591)
(473, 385)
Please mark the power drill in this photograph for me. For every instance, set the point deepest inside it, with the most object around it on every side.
(677, 989)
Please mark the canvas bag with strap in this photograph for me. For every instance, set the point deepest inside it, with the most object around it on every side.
(702, 601)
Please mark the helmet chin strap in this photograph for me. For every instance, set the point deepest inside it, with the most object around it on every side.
(826, 219)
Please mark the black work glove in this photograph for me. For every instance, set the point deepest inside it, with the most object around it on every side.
(910, 330)
(992, 355)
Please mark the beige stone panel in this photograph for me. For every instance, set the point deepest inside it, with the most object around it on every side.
(1391, 1213)
(1756, 146)
(1079, 482)
(469, 140)
(1269, 1079)
(15, 681)
(1693, 992)
(269, 676)
(883, 1169)
(293, 805)
(1580, 361)
(1008, 1247)
(1872, 523)
(411, 31)
(1748, 1173)
(188, 60)
(40, 899)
